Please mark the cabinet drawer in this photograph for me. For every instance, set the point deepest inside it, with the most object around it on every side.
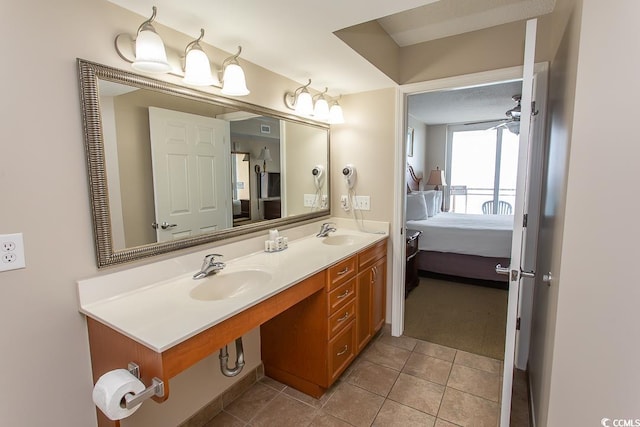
(372, 254)
(341, 351)
(341, 272)
(341, 296)
(341, 318)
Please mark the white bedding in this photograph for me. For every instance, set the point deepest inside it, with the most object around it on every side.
(470, 234)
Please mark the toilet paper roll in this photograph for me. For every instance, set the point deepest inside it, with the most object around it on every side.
(110, 390)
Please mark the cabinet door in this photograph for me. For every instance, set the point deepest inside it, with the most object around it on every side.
(363, 308)
(378, 294)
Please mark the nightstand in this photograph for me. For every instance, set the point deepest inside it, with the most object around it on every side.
(411, 273)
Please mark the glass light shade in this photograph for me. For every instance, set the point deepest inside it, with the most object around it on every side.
(321, 109)
(150, 54)
(335, 114)
(197, 69)
(304, 103)
(233, 81)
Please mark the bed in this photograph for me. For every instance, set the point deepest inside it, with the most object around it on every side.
(456, 244)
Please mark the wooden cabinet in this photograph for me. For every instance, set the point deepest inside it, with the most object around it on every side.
(309, 345)
(371, 293)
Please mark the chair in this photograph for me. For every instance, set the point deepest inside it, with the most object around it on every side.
(504, 208)
(458, 190)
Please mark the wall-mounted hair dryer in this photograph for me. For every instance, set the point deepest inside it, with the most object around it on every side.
(349, 172)
(318, 176)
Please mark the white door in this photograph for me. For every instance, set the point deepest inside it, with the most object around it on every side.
(519, 231)
(191, 169)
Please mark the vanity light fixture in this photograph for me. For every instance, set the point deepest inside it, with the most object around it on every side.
(300, 100)
(304, 104)
(151, 57)
(321, 106)
(335, 113)
(233, 79)
(197, 68)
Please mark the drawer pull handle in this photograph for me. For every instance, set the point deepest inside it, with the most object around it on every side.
(343, 351)
(343, 271)
(343, 295)
(343, 318)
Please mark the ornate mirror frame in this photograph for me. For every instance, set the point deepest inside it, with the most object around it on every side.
(89, 73)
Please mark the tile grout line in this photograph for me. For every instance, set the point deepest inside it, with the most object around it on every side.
(259, 411)
(445, 385)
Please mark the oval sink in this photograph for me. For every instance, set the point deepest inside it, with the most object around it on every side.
(340, 240)
(229, 284)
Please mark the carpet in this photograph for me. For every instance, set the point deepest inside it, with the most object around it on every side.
(458, 315)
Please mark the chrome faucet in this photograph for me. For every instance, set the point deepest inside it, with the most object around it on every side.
(325, 229)
(209, 265)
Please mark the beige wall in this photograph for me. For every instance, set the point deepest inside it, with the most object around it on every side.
(420, 146)
(372, 42)
(45, 368)
(306, 147)
(367, 140)
(437, 147)
(561, 101)
(595, 363)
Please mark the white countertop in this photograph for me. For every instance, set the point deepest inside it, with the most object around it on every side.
(162, 314)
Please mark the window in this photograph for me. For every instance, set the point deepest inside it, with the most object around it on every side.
(484, 159)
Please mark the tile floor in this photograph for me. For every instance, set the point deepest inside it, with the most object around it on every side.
(396, 381)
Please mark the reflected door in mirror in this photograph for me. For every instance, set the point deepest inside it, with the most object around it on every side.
(190, 158)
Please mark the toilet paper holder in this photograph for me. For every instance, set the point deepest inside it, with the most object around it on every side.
(155, 389)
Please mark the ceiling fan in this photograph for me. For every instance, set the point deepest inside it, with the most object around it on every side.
(512, 122)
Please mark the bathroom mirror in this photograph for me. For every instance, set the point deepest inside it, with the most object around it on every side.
(172, 167)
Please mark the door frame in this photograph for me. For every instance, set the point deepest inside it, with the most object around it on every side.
(402, 93)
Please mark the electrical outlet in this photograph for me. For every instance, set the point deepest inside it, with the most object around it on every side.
(362, 203)
(310, 201)
(344, 202)
(11, 252)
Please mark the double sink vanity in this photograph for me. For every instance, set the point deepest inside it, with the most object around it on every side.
(318, 303)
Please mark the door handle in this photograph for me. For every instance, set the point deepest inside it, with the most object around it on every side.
(502, 270)
(515, 274)
(528, 274)
(165, 225)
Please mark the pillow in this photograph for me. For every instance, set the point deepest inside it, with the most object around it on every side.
(430, 200)
(416, 207)
(438, 202)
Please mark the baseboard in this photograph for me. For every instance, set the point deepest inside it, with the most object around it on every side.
(214, 407)
(532, 415)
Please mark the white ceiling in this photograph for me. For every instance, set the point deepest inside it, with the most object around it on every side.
(295, 38)
(464, 105)
(450, 17)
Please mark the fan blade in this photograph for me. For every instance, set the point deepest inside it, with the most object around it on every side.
(487, 121)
